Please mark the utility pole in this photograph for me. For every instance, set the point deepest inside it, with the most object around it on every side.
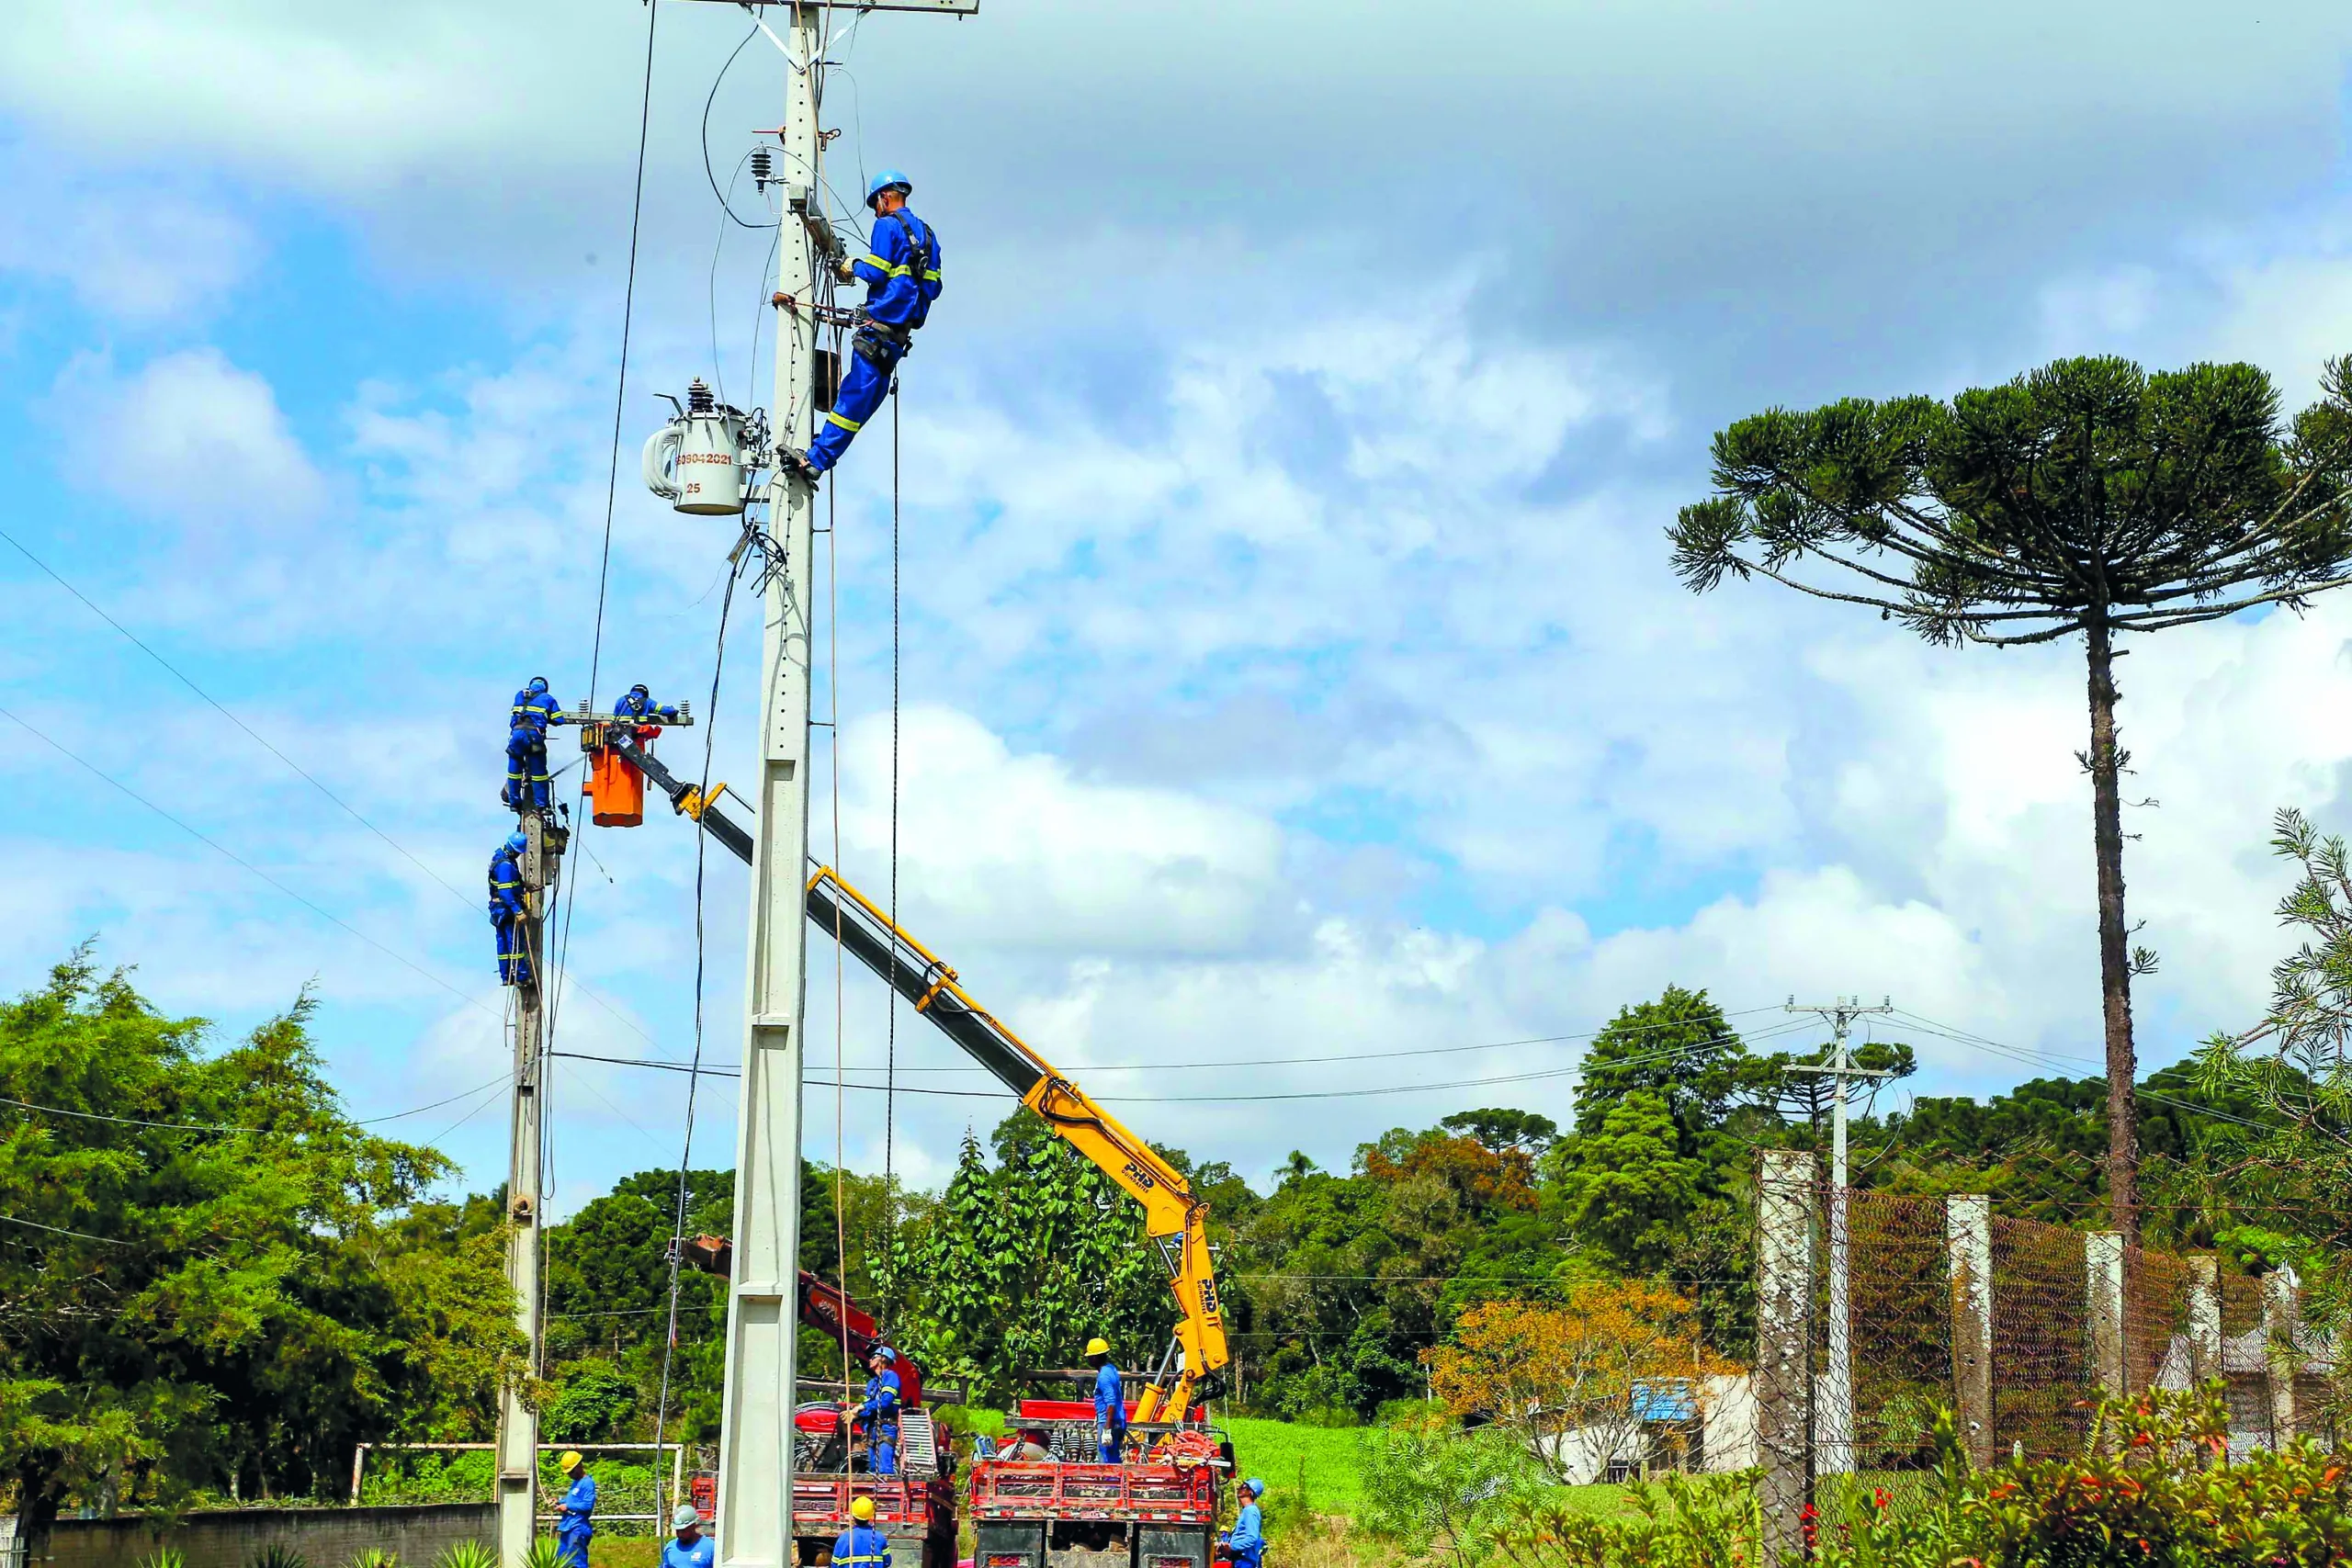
(1834, 1421)
(518, 1424)
(754, 1523)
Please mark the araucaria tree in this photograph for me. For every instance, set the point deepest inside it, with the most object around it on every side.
(2087, 498)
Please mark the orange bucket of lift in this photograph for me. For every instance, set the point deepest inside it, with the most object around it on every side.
(615, 790)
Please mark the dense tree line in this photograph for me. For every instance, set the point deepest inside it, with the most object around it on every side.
(213, 1281)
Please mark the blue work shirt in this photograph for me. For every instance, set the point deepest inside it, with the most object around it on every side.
(1247, 1538)
(537, 709)
(894, 294)
(577, 1506)
(703, 1553)
(1110, 1399)
(506, 903)
(862, 1546)
(881, 1407)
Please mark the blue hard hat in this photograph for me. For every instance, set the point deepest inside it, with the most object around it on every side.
(886, 1352)
(518, 843)
(885, 181)
(1257, 1486)
(538, 683)
(639, 689)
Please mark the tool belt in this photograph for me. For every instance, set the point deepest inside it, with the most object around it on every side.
(882, 346)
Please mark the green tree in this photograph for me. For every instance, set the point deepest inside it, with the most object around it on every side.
(204, 1276)
(2088, 499)
(1021, 1262)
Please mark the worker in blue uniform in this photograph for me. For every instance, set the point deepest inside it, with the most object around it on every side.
(508, 912)
(860, 1545)
(638, 704)
(900, 271)
(688, 1548)
(1110, 1401)
(879, 1416)
(1245, 1543)
(575, 1515)
(527, 744)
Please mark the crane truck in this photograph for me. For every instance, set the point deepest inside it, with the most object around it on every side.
(1160, 1508)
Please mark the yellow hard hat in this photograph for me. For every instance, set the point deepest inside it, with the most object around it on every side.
(861, 1509)
(568, 1460)
(1098, 1345)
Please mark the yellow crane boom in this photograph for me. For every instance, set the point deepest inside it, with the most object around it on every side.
(1176, 1221)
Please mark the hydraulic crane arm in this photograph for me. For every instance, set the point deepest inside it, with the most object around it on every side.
(1176, 1221)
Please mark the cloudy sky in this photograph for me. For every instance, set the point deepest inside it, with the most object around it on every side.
(1292, 665)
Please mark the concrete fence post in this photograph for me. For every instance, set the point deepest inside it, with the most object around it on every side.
(2282, 1350)
(1786, 1189)
(2204, 1319)
(1968, 1238)
(2103, 1273)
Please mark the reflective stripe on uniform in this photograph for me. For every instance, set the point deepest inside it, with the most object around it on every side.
(852, 426)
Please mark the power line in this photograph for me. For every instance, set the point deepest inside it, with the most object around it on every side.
(236, 858)
(232, 1127)
(55, 1230)
(181, 676)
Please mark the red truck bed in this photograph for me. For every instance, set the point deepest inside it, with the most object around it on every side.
(1155, 1494)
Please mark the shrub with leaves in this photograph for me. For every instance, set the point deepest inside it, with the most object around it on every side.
(467, 1554)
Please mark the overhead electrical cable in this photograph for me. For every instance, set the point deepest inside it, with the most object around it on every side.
(694, 1070)
(233, 1127)
(231, 855)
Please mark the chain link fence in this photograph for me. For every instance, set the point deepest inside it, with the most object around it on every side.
(2017, 1325)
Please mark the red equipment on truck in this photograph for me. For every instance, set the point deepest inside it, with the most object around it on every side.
(916, 1507)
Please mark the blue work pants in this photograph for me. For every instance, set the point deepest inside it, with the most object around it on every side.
(571, 1544)
(1110, 1451)
(514, 952)
(527, 771)
(863, 387)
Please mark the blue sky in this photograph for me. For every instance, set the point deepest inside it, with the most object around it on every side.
(1292, 663)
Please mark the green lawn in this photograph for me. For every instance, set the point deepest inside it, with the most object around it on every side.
(1316, 1466)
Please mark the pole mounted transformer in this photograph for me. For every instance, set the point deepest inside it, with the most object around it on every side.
(703, 463)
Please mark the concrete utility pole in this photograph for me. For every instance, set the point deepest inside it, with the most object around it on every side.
(518, 1424)
(1834, 1428)
(754, 1523)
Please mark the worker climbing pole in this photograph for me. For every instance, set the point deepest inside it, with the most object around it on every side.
(523, 878)
(707, 462)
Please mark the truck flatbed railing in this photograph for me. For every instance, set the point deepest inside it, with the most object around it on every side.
(1149, 1493)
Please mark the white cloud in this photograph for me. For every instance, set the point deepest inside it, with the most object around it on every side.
(186, 433)
(137, 256)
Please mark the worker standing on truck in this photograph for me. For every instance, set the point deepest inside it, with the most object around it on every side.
(878, 1417)
(1245, 1541)
(901, 277)
(1110, 1401)
(860, 1545)
(575, 1515)
(508, 912)
(690, 1549)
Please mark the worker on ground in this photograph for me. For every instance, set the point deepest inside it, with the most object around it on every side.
(508, 913)
(860, 1545)
(1245, 1541)
(575, 1515)
(901, 277)
(690, 1549)
(527, 744)
(878, 1417)
(1110, 1401)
